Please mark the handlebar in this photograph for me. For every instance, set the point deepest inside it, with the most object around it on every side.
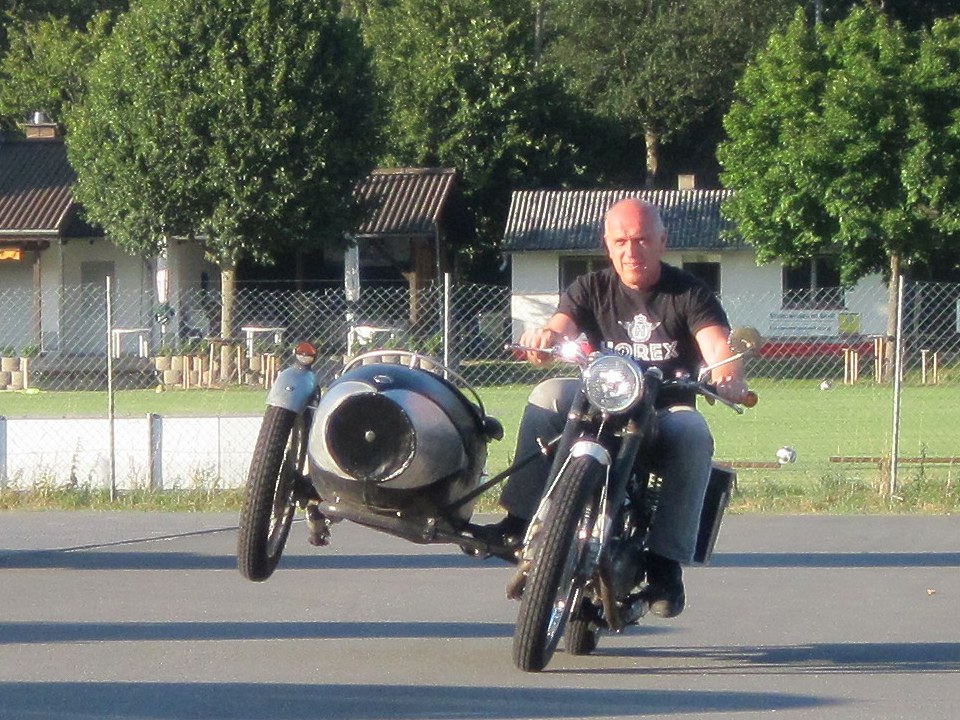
(573, 352)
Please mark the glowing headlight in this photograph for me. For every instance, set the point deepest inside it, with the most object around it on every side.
(613, 383)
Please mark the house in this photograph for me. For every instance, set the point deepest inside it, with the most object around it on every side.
(414, 216)
(552, 236)
(54, 266)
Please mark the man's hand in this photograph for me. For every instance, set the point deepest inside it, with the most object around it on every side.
(539, 338)
(733, 389)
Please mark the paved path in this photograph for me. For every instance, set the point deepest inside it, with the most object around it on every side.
(131, 615)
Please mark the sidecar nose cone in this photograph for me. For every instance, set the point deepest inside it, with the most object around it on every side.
(371, 437)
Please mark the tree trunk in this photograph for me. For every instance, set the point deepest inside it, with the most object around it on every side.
(891, 338)
(228, 280)
(652, 139)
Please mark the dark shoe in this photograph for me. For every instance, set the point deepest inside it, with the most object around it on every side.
(664, 591)
(508, 532)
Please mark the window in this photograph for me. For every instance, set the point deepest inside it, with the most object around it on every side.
(709, 272)
(813, 284)
(573, 266)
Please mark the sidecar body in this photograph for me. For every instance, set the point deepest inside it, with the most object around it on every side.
(397, 441)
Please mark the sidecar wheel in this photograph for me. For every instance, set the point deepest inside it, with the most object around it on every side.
(269, 505)
(553, 589)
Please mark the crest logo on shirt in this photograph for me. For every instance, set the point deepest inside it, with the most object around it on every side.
(640, 328)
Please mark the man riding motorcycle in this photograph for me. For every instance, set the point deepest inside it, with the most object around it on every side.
(662, 316)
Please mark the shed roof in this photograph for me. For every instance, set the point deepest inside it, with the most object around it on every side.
(35, 182)
(408, 201)
(572, 220)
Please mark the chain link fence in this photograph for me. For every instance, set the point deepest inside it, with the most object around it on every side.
(188, 401)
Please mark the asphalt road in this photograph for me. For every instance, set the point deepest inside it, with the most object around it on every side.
(144, 616)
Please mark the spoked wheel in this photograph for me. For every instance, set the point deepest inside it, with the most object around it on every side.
(553, 590)
(268, 508)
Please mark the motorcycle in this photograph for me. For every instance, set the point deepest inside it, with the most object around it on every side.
(398, 442)
(581, 569)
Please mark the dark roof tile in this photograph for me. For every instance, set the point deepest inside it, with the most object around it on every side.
(571, 220)
(405, 201)
(35, 183)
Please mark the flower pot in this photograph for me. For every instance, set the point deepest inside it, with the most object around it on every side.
(9, 364)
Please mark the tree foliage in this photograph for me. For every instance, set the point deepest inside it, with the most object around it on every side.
(247, 123)
(44, 66)
(657, 67)
(843, 138)
(463, 91)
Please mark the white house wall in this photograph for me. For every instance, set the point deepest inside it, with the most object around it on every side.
(187, 268)
(16, 295)
(751, 295)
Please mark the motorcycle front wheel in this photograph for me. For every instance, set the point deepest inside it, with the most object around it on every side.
(553, 589)
(269, 504)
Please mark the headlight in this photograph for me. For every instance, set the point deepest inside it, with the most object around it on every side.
(613, 383)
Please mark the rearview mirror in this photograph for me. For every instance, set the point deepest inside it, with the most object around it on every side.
(745, 340)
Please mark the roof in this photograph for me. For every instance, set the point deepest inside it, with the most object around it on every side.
(407, 201)
(35, 188)
(572, 220)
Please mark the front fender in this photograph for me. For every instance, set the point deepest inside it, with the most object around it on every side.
(293, 389)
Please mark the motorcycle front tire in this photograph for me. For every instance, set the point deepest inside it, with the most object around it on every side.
(269, 504)
(551, 590)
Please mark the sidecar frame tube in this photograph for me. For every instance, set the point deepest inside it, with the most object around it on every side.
(293, 389)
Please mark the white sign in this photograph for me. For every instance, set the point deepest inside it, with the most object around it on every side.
(804, 323)
(351, 272)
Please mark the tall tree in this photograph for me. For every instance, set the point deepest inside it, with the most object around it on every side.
(463, 91)
(837, 143)
(242, 123)
(656, 67)
(44, 66)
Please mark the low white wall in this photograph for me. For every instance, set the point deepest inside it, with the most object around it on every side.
(163, 452)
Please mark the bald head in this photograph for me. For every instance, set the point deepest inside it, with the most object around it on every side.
(635, 239)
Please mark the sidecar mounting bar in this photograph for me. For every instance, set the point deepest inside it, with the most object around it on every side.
(501, 476)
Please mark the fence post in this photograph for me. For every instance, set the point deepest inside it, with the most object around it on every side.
(111, 411)
(446, 319)
(897, 389)
(3, 451)
(155, 445)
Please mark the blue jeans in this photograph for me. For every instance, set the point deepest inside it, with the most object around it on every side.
(682, 457)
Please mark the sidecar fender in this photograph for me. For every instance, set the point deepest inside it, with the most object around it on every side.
(293, 389)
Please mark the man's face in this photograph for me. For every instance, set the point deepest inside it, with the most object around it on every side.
(635, 244)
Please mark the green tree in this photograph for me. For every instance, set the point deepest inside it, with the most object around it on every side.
(43, 68)
(77, 13)
(656, 67)
(242, 123)
(462, 90)
(837, 143)
(931, 173)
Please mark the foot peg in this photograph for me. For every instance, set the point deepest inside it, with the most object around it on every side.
(318, 527)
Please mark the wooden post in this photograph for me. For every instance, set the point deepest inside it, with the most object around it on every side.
(851, 366)
(879, 351)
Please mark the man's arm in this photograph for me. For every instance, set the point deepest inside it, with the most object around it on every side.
(558, 327)
(730, 379)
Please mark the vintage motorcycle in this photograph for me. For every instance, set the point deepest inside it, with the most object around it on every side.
(398, 442)
(581, 568)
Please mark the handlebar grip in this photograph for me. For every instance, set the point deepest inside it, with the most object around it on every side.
(750, 399)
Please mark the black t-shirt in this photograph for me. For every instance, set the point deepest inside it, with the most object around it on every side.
(655, 326)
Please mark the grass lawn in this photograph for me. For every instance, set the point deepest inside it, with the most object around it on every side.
(128, 403)
(850, 421)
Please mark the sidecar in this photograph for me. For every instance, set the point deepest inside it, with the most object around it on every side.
(398, 447)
